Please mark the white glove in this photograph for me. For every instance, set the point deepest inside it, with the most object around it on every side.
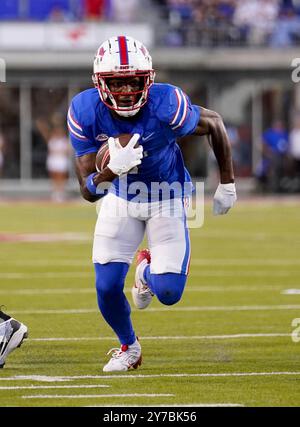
(224, 198)
(122, 159)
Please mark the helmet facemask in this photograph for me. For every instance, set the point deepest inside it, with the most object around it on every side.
(111, 98)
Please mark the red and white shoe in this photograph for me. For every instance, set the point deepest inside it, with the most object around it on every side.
(124, 358)
(141, 293)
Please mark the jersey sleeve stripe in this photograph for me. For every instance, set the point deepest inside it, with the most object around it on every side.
(73, 121)
(74, 133)
(185, 109)
(179, 100)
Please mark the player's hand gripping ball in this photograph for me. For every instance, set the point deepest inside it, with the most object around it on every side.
(103, 155)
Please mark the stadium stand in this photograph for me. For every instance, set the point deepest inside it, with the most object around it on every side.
(179, 22)
(9, 10)
(229, 57)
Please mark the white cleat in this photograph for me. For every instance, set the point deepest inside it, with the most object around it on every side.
(12, 334)
(141, 293)
(124, 358)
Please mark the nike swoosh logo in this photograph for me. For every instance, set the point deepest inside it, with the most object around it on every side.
(148, 136)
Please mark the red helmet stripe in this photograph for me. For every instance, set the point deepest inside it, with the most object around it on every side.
(123, 50)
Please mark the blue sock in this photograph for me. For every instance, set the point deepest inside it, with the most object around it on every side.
(168, 287)
(112, 302)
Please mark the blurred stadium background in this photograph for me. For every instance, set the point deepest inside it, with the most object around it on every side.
(233, 56)
(230, 336)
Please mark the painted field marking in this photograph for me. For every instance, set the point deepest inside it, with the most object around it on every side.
(47, 275)
(54, 291)
(290, 292)
(61, 291)
(240, 261)
(195, 261)
(145, 376)
(92, 396)
(249, 273)
(36, 387)
(155, 338)
(195, 273)
(169, 310)
(45, 237)
(50, 262)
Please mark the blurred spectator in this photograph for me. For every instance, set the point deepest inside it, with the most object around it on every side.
(226, 10)
(240, 141)
(56, 10)
(256, 18)
(274, 157)
(244, 148)
(9, 9)
(93, 10)
(287, 30)
(58, 14)
(1, 154)
(294, 151)
(125, 10)
(180, 15)
(180, 22)
(59, 154)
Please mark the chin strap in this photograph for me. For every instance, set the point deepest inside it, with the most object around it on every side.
(127, 113)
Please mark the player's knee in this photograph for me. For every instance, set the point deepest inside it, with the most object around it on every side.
(169, 287)
(168, 296)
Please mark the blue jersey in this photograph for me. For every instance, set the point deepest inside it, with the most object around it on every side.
(167, 115)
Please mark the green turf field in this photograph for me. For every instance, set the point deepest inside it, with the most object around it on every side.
(228, 341)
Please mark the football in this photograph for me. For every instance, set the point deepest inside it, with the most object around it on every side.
(102, 157)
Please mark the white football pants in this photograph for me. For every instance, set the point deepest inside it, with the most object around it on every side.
(121, 226)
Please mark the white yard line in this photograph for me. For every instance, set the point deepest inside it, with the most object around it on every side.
(291, 291)
(241, 234)
(167, 309)
(88, 275)
(92, 396)
(80, 262)
(91, 275)
(37, 387)
(155, 338)
(213, 288)
(249, 261)
(41, 291)
(46, 237)
(249, 273)
(136, 376)
(47, 275)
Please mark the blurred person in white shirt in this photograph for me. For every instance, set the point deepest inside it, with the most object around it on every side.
(59, 154)
(257, 17)
(125, 10)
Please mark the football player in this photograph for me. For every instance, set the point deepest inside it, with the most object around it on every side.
(126, 100)
(12, 334)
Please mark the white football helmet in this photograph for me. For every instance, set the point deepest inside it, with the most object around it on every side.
(123, 57)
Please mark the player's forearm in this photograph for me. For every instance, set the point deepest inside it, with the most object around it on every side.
(105, 176)
(87, 195)
(101, 182)
(221, 146)
(211, 124)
